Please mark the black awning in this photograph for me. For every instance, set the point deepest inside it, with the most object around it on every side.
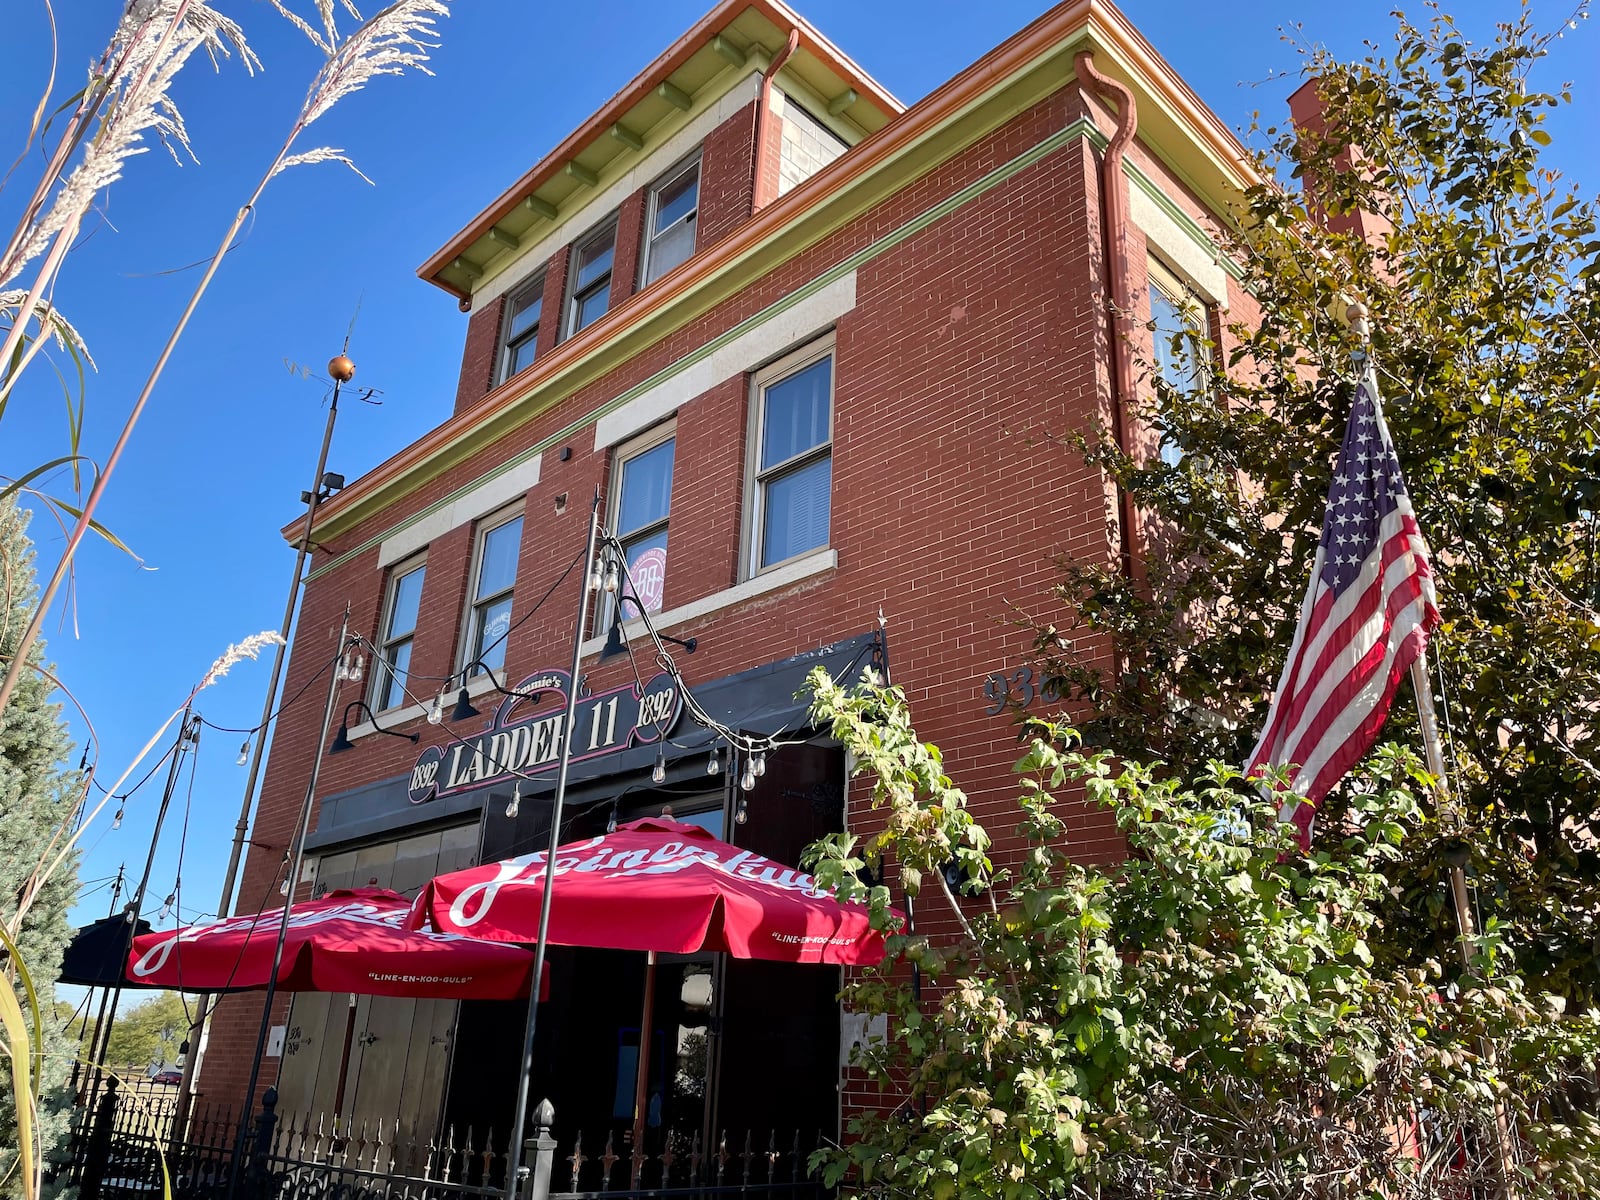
(761, 700)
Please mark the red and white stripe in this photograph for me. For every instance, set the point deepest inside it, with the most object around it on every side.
(1349, 653)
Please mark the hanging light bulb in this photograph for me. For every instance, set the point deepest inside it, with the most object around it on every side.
(758, 764)
(594, 578)
(357, 667)
(344, 666)
(516, 800)
(244, 752)
(166, 906)
(658, 773)
(612, 578)
(747, 781)
(741, 814)
(116, 821)
(611, 825)
(436, 709)
(714, 763)
(283, 888)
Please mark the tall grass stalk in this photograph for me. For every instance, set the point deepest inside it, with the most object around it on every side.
(391, 42)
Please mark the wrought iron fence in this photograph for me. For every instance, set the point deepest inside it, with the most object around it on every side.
(121, 1153)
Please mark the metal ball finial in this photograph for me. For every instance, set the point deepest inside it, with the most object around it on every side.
(341, 368)
(1356, 314)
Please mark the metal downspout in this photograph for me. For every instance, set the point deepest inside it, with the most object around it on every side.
(1119, 300)
(759, 200)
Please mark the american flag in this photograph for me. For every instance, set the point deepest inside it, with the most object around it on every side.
(1365, 619)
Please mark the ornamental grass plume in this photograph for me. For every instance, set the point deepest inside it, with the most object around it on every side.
(395, 40)
(126, 102)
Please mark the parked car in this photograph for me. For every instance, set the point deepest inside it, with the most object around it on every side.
(172, 1075)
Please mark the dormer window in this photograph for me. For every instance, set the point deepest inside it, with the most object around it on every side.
(590, 286)
(670, 221)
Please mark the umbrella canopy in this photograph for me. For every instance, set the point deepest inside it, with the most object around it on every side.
(98, 952)
(347, 941)
(655, 884)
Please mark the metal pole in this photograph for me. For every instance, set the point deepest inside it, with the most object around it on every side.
(180, 1119)
(105, 995)
(295, 861)
(641, 1081)
(1433, 749)
(344, 1055)
(520, 1118)
(131, 913)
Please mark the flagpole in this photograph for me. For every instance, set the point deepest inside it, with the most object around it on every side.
(1433, 752)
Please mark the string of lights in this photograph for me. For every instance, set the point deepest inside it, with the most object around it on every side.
(277, 712)
(447, 680)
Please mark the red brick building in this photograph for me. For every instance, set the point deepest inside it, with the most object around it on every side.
(814, 350)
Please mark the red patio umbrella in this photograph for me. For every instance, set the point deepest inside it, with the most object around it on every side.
(661, 886)
(351, 940)
(657, 885)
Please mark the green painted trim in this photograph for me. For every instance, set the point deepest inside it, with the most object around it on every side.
(1078, 129)
(1181, 219)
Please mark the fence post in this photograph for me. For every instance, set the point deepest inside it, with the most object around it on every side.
(98, 1153)
(539, 1154)
(261, 1146)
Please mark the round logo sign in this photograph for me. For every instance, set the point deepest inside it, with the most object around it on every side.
(649, 573)
(425, 775)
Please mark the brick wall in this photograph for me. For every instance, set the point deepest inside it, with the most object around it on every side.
(725, 177)
(480, 358)
(973, 346)
(630, 240)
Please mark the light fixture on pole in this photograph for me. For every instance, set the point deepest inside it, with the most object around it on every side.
(296, 859)
(617, 638)
(519, 1120)
(324, 484)
(341, 740)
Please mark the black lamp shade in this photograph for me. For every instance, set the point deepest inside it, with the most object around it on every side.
(341, 740)
(616, 643)
(463, 708)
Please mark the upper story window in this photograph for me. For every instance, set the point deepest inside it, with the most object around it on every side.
(590, 284)
(642, 501)
(520, 341)
(670, 221)
(793, 457)
(494, 578)
(399, 631)
(1179, 351)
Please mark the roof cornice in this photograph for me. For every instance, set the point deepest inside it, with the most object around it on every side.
(647, 81)
(799, 219)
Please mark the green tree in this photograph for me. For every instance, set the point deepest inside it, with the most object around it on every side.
(1203, 1019)
(149, 1033)
(39, 793)
(1485, 328)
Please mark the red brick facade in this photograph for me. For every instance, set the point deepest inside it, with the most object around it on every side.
(973, 345)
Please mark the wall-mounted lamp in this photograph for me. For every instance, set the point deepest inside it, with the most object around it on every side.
(341, 740)
(463, 708)
(617, 640)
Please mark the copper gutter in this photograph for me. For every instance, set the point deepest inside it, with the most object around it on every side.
(758, 199)
(1119, 299)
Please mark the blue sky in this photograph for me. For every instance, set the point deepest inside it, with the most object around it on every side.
(230, 438)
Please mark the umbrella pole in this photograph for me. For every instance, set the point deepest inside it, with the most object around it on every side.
(519, 1120)
(344, 1056)
(302, 826)
(641, 1086)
